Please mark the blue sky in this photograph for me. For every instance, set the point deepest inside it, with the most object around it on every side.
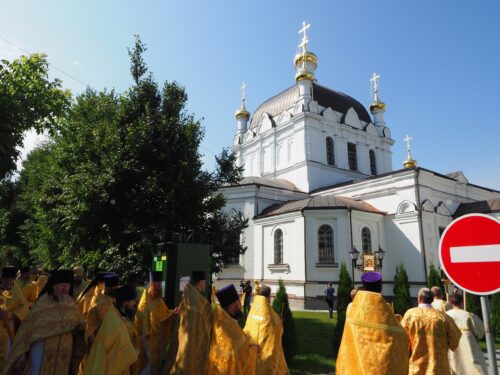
(439, 61)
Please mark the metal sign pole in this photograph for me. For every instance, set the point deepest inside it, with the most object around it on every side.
(490, 343)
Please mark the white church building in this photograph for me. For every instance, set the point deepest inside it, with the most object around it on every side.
(319, 185)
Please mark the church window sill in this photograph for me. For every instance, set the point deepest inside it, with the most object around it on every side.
(327, 265)
(279, 268)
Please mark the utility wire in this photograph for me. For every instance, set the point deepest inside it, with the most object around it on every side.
(51, 65)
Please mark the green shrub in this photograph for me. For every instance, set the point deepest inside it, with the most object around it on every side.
(282, 308)
(401, 290)
(434, 279)
(343, 299)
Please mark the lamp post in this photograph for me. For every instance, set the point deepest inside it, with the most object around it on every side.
(354, 253)
(379, 254)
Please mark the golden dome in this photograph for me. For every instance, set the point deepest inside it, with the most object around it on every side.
(242, 113)
(308, 56)
(410, 163)
(377, 106)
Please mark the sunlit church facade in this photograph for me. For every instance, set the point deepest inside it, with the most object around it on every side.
(320, 185)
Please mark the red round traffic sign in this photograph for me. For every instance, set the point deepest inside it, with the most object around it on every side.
(469, 253)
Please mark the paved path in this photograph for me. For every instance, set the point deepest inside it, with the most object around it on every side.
(497, 356)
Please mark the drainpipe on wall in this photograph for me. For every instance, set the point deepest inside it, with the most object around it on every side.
(349, 211)
(420, 223)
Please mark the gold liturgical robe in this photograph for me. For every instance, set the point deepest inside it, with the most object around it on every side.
(431, 333)
(17, 307)
(467, 359)
(194, 333)
(373, 341)
(50, 323)
(265, 328)
(85, 301)
(32, 291)
(77, 291)
(113, 351)
(231, 351)
(152, 318)
(97, 312)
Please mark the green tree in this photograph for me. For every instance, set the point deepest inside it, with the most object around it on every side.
(124, 173)
(474, 304)
(434, 278)
(282, 308)
(343, 300)
(401, 290)
(495, 314)
(28, 100)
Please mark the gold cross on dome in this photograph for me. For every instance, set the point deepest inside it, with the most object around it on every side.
(407, 139)
(302, 31)
(243, 91)
(374, 83)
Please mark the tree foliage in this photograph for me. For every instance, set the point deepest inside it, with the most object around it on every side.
(343, 300)
(28, 100)
(473, 304)
(282, 308)
(122, 174)
(434, 278)
(402, 301)
(495, 314)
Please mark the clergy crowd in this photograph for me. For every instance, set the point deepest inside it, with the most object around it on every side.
(58, 323)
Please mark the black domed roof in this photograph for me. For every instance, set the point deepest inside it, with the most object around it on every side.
(325, 97)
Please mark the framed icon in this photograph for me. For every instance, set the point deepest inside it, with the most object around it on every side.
(368, 262)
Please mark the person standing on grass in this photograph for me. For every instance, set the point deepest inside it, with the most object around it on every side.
(467, 359)
(373, 341)
(329, 297)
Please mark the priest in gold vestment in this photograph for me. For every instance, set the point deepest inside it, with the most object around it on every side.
(80, 283)
(432, 333)
(100, 305)
(44, 343)
(116, 346)
(373, 341)
(13, 309)
(24, 278)
(33, 290)
(95, 287)
(265, 329)
(194, 328)
(231, 350)
(153, 319)
(439, 303)
(467, 359)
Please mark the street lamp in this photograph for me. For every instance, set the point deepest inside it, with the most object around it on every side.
(380, 256)
(354, 253)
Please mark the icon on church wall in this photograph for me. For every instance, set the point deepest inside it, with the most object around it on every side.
(368, 262)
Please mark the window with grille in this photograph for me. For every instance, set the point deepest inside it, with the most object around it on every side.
(330, 156)
(353, 157)
(366, 238)
(325, 244)
(373, 163)
(278, 247)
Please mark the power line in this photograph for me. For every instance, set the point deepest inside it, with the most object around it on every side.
(51, 65)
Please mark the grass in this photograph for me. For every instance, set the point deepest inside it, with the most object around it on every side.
(314, 337)
(482, 344)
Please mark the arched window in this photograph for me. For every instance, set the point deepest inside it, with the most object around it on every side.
(278, 247)
(330, 156)
(373, 163)
(325, 244)
(366, 239)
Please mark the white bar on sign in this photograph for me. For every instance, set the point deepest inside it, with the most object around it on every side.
(477, 253)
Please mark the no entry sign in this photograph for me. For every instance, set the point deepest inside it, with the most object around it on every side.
(469, 252)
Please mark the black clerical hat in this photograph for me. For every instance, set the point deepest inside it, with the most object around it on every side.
(197, 275)
(9, 272)
(155, 276)
(99, 277)
(227, 295)
(61, 276)
(111, 280)
(25, 269)
(125, 293)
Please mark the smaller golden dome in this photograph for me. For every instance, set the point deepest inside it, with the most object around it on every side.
(377, 106)
(242, 113)
(308, 56)
(409, 163)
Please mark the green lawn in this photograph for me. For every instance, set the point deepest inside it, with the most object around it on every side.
(314, 335)
(482, 344)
